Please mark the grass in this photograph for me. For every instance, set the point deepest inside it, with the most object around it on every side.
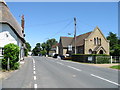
(116, 67)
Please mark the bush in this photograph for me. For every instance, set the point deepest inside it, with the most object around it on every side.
(11, 51)
(16, 66)
(102, 59)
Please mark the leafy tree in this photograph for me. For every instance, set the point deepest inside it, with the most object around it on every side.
(37, 49)
(43, 52)
(43, 45)
(48, 48)
(38, 45)
(49, 44)
(28, 46)
(119, 41)
(34, 52)
(116, 51)
(113, 40)
(114, 44)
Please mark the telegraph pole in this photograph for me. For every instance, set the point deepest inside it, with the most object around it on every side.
(75, 34)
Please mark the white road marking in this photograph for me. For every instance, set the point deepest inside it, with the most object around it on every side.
(34, 68)
(105, 79)
(74, 68)
(34, 72)
(35, 78)
(35, 85)
(33, 60)
(60, 63)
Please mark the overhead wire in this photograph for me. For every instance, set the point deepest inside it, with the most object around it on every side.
(49, 23)
(61, 30)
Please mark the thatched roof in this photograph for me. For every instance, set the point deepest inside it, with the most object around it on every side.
(6, 17)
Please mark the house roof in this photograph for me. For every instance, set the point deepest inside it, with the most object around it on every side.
(54, 46)
(70, 40)
(80, 38)
(66, 41)
(8, 18)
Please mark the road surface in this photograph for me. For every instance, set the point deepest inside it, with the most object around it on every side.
(43, 72)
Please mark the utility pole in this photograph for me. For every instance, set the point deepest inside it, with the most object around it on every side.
(75, 34)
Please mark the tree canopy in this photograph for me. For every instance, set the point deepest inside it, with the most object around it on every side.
(44, 47)
(28, 46)
(114, 44)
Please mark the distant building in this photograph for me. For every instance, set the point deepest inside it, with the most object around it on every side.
(10, 30)
(54, 50)
(89, 43)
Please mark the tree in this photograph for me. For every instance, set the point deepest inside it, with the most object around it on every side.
(43, 52)
(28, 46)
(116, 50)
(43, 45)
(37, 49)
(113, 40)
(49, 44)
(114, 44)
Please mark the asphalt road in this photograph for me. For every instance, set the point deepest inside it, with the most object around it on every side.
(42, 72)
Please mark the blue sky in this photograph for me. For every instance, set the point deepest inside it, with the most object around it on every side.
(52, 20)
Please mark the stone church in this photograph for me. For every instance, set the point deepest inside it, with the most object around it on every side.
(89, 43)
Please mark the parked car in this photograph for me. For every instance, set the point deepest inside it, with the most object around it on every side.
(55, 56)
(62, 57)
(59, 56)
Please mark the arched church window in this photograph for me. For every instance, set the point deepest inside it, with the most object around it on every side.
(101, 52)
(90, 51)
(94, 41)
(97, 41)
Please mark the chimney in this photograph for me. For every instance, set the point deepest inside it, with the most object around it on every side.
(22, 23)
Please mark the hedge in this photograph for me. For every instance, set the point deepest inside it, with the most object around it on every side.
(102, 59)
(84, 58)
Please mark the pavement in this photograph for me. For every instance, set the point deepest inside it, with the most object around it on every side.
(104, 65)
(43, 72)
(5, 74)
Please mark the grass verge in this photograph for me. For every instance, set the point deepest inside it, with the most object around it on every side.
(116, 67)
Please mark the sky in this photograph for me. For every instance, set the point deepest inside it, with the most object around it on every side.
(46, 20)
